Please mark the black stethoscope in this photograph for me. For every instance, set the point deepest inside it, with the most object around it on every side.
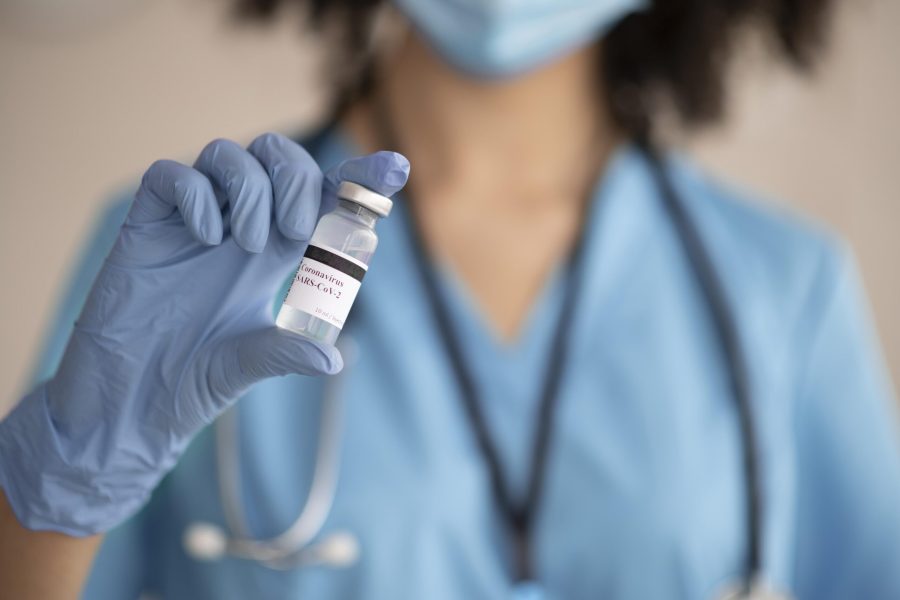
(520, 517)
(297, 546)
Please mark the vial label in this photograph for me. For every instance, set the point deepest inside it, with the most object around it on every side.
(326, 284)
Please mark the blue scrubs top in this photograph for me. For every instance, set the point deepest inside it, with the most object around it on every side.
(645, 494)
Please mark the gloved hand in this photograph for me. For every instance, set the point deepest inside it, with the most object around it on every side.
(177, 325)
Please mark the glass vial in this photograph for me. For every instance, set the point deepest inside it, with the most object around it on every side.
(331, 271)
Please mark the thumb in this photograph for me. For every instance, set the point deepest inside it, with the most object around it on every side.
(271, 352)
(383, 172)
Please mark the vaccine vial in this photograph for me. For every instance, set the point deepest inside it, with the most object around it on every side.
(332, 269)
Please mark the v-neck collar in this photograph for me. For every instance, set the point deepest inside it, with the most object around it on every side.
(543, 310)
(544, 307)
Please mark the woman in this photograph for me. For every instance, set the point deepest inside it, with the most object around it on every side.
(580, 368)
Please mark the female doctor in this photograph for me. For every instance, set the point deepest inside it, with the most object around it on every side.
(577, 368)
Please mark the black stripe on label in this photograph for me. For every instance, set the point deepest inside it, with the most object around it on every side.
(334, 261)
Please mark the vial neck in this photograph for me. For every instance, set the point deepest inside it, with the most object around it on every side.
(359, 213)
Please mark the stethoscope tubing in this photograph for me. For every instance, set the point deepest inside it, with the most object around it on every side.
(293, 547)
(729, 339)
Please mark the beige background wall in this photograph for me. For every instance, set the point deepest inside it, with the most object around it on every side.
(85, 108)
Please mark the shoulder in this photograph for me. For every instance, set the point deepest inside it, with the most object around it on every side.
(782, 272)
(761, 246)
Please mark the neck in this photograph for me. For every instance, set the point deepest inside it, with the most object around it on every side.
(493, 163)
(545, 131)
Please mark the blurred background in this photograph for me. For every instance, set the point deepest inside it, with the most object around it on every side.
(91, 92)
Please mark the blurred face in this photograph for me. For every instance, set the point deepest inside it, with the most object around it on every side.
(503, 38)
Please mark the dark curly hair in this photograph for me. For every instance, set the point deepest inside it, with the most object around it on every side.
(674, 54)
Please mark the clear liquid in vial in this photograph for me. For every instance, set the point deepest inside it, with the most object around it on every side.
(350, 230)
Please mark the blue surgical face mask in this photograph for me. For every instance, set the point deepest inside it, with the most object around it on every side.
(500, 38)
